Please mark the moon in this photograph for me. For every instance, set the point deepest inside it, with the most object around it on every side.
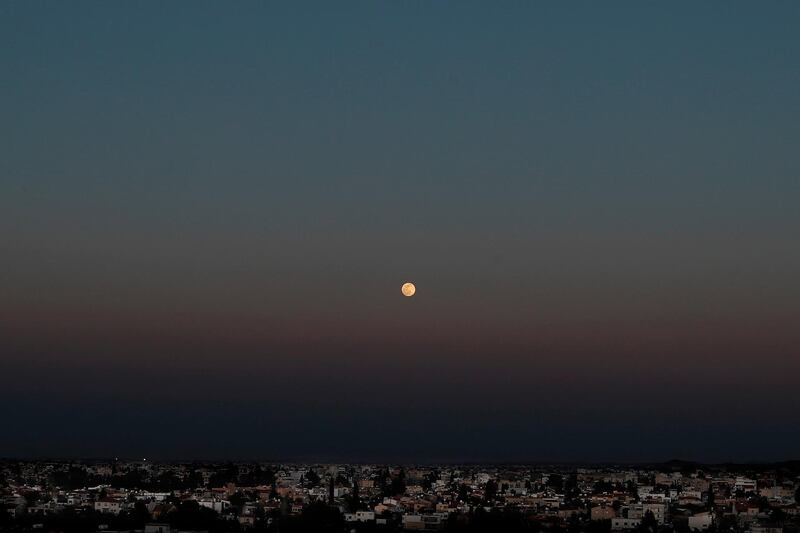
(408, 289)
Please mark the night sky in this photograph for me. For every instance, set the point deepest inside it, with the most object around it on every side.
(207, 211)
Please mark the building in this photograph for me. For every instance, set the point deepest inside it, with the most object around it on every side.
(744, 484)
(624, 523)
(602, 512)
(360, 516)
(424, 522)
(701, 521)
(157, 528)
(659, 511)
(108, 505)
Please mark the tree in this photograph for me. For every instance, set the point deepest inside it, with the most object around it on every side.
(189, 515)
(599, 526)
(398, 486)
(490, 492)
(227, 474)
(237, 499)
(5, 519)
(31, 497)
(382, 475)
(602, 486)
(131, 480)
(555, 482)
(266, 476)
(355, 500)
(75, 477)
(193, 479)
(571, 489)
(312, 478)
(777, 516)
(429, 479)
(320, 517)
(167, 481)
(140, 512)
(463, 493)
(727, 523)
(574, 524)
(710, 499)
(649, 523)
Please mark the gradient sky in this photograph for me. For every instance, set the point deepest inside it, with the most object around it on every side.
(207, 211)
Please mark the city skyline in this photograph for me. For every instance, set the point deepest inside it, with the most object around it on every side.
(142, 497)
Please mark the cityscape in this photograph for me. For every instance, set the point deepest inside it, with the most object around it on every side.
(172, 497)
(375, 266)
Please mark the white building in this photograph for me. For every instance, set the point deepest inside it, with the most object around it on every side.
(659, 511)
(701, 521)
(625, 523)
(744, 484)
(360, 516)
(424, 521)
(108, 505)
(217, 506)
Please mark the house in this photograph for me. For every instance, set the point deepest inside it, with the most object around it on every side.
(247, 521)
(620, 523)
(778, 492)
(424, 522)
(701, 521)
(602, 512)
(360, 516)
(744, 484)
(108, 505)
(765, 529)
(659, 511)
(215, 505)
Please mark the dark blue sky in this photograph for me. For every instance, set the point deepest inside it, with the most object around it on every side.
(207, 211)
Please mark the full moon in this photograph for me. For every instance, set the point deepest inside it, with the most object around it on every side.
(408, 289)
